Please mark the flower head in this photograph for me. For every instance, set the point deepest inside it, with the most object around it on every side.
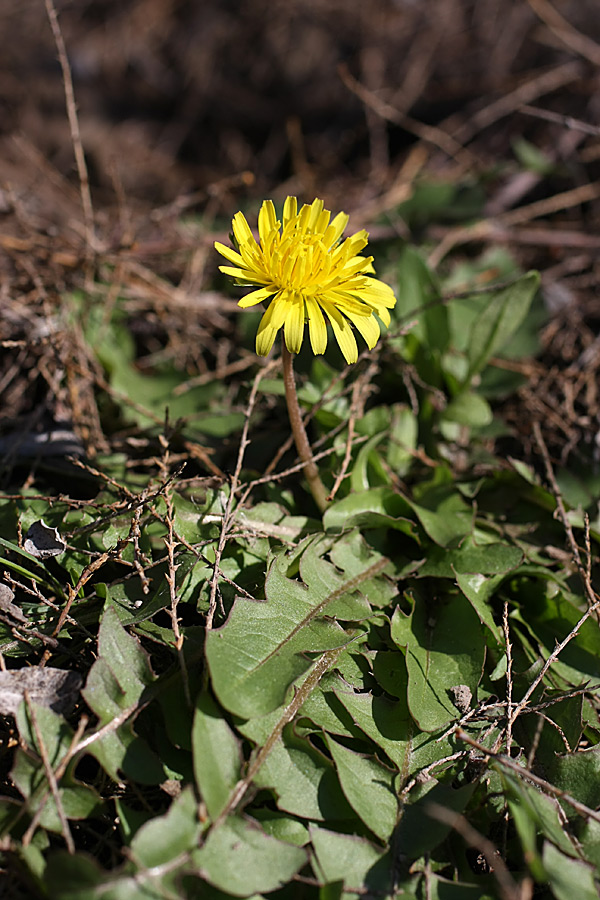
(306, 273)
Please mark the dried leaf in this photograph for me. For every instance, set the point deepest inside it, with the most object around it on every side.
(42, 541)
(7, 605)
(55, 688)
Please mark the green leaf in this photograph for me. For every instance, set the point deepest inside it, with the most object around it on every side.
(542, 811)
(419, 831)
(551, 615)
(79, 877)
(589, 838)
(51, 728)
(478, 590)
(116, 683)
(427, 749)
(404, 435)
(283, 827)
(578, 774)
(359, 477)
(73, 877)
(129, 819)
(444, 649)
(239, 858)
(358, 863)
(28, 774)
(304, 781)
(468, 408)
(430, 200)
(216, 755)
(32, 860)
(417, 288)
(380, 507)
(324, 709)
(133, 606)
(127, 659)
(164, 838)
(369, 788)
(443, 513)
(527, 825)
(568, 877)
(389, 668)
(354, 556)
(261, 650)
(531, 157)
(388, 724)
(482, 559)
(79, 801)
(440, 888)
(469, 565)
(499, 319)
(560, 729)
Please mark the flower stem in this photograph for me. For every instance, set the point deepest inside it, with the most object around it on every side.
(317, 488)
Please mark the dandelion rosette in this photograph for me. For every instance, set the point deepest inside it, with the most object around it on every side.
(307, 273)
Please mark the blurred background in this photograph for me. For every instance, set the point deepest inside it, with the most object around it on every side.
(310, 96)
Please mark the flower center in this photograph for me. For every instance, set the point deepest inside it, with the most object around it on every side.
(300, 262)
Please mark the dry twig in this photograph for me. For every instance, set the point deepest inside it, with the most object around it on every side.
(84, 183)
(229, 514)
(430, 134)
(508, 887)
(171, 575)
(505, 763)
(565, 32)
(52, 781)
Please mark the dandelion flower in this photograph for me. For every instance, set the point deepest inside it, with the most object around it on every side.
(307, 273)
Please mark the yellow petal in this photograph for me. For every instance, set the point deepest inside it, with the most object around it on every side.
(316, 208)
(355, 265)
(266, 332)
(244, 274)
(279, 309)
(303, 218)
(241, 230)
(229, 254)
(343, 333)
(290, 210)
(356, 242)
(265, 338)
(267, 221)
(300, 268)
(384, 316)
(377, 292)
(316, 326)
(294, 324)
(347, 303)
(256, 297)
(322, 222)
(369, 329)
(335, 230)
(287, 266)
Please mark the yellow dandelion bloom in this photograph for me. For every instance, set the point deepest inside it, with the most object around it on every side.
(308, 274)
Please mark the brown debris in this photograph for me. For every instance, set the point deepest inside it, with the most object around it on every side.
(187, 112)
